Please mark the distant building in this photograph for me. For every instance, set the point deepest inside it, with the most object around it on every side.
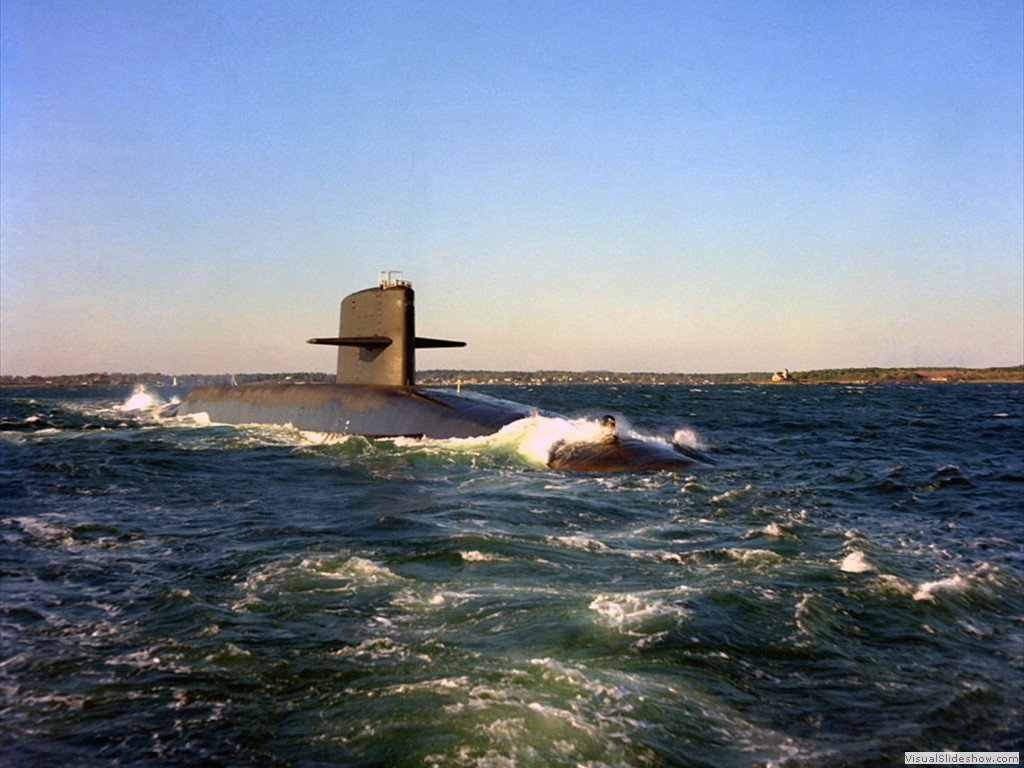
(782, 375)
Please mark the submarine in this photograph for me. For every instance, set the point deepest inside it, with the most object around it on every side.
(375, 395)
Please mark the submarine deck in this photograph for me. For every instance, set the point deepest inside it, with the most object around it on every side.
(348, 409)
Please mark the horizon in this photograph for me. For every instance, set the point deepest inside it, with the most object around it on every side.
(728, 186)
(945, 368)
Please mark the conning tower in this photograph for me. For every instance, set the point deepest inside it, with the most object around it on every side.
(376, 338)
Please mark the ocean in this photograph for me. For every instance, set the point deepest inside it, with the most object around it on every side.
(846, 583)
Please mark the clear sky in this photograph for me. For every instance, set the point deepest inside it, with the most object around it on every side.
(687, 185)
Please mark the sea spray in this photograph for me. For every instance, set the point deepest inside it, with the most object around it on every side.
(142, 399)
(534, 439)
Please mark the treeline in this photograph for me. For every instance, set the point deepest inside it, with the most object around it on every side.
(523, 378)
(824, 376)
(157, 379)
(909, 375)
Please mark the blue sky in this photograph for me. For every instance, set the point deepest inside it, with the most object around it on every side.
(669, 186)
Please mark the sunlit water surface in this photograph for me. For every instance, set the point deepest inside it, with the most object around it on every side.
(844, 585)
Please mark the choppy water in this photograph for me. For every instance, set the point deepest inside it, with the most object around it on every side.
(846, 584)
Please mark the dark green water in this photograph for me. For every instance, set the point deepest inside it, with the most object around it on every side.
(846, 584)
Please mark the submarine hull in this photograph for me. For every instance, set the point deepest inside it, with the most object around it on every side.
(382, 412)
(347, 409)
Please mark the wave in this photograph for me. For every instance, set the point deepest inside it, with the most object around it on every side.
(855, 562)
(926, 590)
(312, 578)
(529, 441)
(630, 611)
(68, 413)
(532, 438)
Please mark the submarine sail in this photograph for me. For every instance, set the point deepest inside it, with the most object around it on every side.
(377, 335)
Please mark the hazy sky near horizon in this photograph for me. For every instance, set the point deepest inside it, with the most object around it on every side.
(697, 186)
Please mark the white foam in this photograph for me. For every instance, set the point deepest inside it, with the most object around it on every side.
(688, 437)
(855, 562)
(141, 399)
(800, 611)
(442, 685)
(889, 583)
(752, 555)
(926, 590)
(533, 438)
(144, 659)
(412, 598)
(313, 575)
(357, 569)
(326, 438)
(661, 555)
(578, 678)
(623, 610)
(381, 648)
(580, 542)
(550, 706)
(772, 530)
(954, 583)
(41, 529)
(475, 556)
(731, 494)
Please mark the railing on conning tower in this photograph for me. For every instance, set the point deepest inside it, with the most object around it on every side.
(391, 278)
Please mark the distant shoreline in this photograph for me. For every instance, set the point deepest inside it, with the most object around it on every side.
(918, 375)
